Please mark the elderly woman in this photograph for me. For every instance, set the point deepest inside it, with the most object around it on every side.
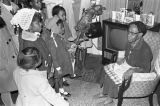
(137, 59)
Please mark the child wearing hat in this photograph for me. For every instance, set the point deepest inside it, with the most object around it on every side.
(60, 55)
(29, 20)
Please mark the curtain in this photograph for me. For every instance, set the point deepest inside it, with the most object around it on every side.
(111, 5)
(152, 6)
(67, 4)
(50, 4)
(84, 4)
(115, 5)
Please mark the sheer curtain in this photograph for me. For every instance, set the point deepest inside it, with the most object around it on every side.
(152, 6)
(114, 5)
(111, 5)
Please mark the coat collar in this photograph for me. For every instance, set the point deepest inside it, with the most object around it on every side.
(30, 36)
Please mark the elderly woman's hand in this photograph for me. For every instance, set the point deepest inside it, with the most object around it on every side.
(120, 61)
(50, 75)
(128, 73)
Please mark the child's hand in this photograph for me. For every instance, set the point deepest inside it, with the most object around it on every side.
(59, 72)
(50, 75)
(73, 48)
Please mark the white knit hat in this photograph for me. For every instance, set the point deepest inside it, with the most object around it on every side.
(23, 18)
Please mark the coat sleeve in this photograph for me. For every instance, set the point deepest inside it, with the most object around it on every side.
(49, 93)
(52, 49)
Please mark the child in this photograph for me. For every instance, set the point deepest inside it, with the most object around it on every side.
(30, 22)
(33, 87)
(61, 13)
(60, 54)
(39, 6)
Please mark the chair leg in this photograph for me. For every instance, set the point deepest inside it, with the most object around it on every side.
(151, 100)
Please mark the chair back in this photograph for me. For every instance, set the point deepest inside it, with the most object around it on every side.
(153, 40)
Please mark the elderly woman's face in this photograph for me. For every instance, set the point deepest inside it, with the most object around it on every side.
(133, 34)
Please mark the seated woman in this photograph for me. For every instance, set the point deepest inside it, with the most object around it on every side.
(33, 86)
(137, 58)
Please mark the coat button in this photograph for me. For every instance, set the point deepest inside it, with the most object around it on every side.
(7, 43)
(9, 39)
(13, 57)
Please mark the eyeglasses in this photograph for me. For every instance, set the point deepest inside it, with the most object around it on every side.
(133, 33)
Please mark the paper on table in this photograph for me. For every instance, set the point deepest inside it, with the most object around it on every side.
(121, 54)
(120, 69)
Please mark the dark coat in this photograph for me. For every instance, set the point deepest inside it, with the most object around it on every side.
(42, 47)
(141, 56)
(60, 55)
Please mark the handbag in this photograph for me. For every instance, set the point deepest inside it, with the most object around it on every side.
(95, 30)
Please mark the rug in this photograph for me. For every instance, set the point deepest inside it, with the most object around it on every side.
(85, 94)
(93, 69)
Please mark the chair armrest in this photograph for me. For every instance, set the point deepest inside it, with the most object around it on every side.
(142, 84)
(144, 76)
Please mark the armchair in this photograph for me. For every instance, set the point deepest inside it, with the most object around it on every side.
(142, 85)
(140, 88)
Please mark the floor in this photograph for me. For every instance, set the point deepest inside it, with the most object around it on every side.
(85, 94)
(84, 91)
